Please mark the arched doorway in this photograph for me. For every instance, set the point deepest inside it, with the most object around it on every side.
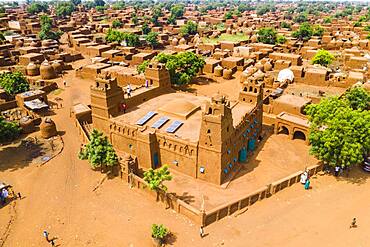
(299, 135)
(283, 130)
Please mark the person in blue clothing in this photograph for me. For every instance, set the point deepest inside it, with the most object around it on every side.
(307, 184)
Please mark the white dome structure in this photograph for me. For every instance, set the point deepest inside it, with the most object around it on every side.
(285, 74)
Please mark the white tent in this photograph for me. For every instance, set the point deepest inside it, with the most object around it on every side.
(285, 74)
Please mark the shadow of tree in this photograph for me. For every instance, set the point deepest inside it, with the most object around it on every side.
(171, 238)
(355, 176)
(20, 155)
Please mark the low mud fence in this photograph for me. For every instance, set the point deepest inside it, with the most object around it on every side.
(238, 205)
(168, 199)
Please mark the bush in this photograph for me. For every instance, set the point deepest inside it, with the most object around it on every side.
(159, 231)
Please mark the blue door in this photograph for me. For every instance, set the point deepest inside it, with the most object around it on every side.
(251, 144)
(156, 160)
(243, 154)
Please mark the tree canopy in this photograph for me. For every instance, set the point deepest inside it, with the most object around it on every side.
(46, 29)
(182, 66)
(37, 7)
(159, 231)
(267, 35)
(64, 9)
(358, 98)
(142, 67)
(99, 151)
(155, 178)
(190, 28)
(8, 130)
(306, 31)
(152, 39)
(116, 24)
(145, 28)
(323, 57)
(339, 133)
(14, 82)
(131, 39)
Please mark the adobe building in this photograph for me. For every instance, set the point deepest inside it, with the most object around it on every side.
(202, 137)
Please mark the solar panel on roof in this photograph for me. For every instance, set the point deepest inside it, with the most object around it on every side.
(174, 126)
(160, 122)
(146, 118)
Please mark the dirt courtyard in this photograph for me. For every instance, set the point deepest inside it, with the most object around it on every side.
(59, 197)
(275, 158)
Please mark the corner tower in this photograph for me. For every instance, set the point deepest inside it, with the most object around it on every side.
(215, 135)
(106, 97)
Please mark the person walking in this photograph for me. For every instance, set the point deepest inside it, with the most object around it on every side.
(46, 236)
(353, 223)
(201, 232)
(307, 184)
(336, 171)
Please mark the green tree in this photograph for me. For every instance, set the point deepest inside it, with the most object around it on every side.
(14, 82)
(300, 18)
(358, 98)
(155, 178)
(323, 57)
(182, 66)
(37, 7)
(131, 39)
(118, 5)
(338, 134)
(145, 28)
(99, 151)
(76, 2)
(116, 24)
(159, 232)
(152, 39)
(142, 67)
(190, 28)
(357, 24)
(99, 2)
(286, 25)
(280, 39)
(328, 20)
(46, 29)
(304, 32)
(367, 28)
(134, 18)
(100, 8)
(228, 15)
(177, 10)
(8, 130)
(267, 35)
(317, 30)
(64, 9)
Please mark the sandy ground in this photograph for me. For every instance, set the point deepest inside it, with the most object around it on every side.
(59, 198)
(276, 158)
